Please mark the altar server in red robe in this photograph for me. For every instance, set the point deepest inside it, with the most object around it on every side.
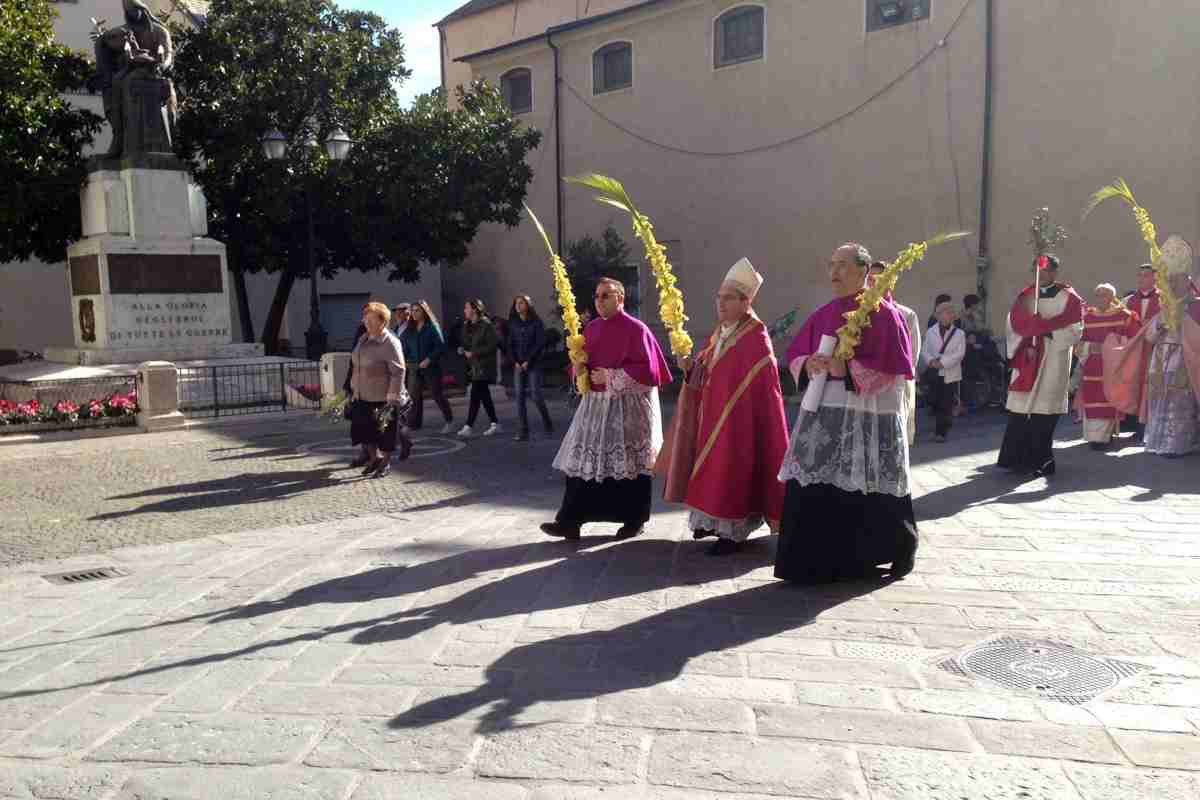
(1044, 325)
(1107, 319)
(731, 444)
(1146, 302)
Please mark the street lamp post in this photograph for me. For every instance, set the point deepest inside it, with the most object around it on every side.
(337, 147)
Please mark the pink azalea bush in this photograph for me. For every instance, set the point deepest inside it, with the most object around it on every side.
(64, 411)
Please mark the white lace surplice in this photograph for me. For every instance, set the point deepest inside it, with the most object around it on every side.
(614, 434)
(856, 441)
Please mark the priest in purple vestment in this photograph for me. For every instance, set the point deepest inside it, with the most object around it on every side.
(609, 451)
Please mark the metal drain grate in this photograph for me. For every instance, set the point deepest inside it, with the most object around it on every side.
(1050, 670)
(87, 575)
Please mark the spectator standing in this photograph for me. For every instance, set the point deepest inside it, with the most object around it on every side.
(423, 348)
(478, 346)
(526, 345)
(945, 347)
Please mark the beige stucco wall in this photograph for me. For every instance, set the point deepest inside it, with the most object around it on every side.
(1081, 95)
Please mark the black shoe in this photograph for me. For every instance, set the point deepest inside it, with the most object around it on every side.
(371, 467)
(385, 466)
(628, 532)
(568, 532)
(701, 533)
(723, 547)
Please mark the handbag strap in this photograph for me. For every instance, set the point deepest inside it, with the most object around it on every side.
(946, 341)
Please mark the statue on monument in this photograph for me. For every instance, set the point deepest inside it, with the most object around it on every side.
(138, 101)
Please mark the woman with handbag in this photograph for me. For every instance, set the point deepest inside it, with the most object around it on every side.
(423, 347)
(943, 352)
(479, 346)
(378, 385)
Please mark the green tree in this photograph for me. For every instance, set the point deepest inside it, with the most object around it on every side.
(42, 135)
(415, 188)
(588, 260)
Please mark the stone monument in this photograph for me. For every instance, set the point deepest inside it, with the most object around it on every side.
(146, 281)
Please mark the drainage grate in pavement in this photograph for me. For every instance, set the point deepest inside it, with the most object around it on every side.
(1049, 670)
(87, 575)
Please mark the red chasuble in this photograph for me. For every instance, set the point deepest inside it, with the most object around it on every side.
(1098, 326)
(1027, 359)
(726, 445)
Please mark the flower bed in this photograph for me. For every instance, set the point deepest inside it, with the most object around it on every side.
(32, 414)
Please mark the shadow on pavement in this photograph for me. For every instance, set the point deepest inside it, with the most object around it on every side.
(638, 655)
(556, 575)
(241, 489)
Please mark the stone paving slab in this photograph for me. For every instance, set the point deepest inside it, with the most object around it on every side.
(403, 646)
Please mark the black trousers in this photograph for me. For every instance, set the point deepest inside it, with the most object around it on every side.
(1028, 442)
(828, 534)
(418, 380)
(624, 501)
(943, 397)
(481, 393)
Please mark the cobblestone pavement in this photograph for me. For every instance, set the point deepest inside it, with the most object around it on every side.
(286, 632)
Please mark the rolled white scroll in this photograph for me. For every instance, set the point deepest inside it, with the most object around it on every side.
(816, 385)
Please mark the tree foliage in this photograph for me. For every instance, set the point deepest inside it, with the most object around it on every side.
(42, 135)
(589, 259)
(418, 182)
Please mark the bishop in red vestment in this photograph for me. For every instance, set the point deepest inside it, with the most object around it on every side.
(730, 432)
(1102, 322)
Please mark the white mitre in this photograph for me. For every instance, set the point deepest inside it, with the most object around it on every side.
(744, 278)
(1177, 256)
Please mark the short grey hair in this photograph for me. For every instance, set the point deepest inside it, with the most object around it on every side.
(1111, 289)
(947, 306)
(862, 256)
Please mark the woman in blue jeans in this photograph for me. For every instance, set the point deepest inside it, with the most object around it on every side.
(526, 342)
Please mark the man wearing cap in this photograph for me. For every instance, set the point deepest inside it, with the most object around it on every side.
(400, 319)
(726, 450)
(1044, 325)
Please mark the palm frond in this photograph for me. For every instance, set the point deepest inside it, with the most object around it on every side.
(942, 238)
(538, 224)
(611, 191)
(1118, 188)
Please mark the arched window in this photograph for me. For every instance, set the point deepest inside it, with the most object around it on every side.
(738, 36)
(517, 87)
(612, 67)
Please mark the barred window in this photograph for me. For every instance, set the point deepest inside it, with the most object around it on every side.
(612, 67)
(738, 36)
(517, 87)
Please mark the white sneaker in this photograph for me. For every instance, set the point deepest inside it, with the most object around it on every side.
(447, 428)
(465, 432)
(492, 429)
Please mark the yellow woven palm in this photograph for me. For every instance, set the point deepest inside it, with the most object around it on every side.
(1120, 190)
(670, 299)
(576, 349)
(850, 334)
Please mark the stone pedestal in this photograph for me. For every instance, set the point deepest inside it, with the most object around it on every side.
(334, 367)
(158, 397)
(146, 281)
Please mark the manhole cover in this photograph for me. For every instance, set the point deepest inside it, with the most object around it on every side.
(86, 575)
(1049, 670)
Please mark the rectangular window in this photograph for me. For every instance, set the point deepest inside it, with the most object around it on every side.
(890, 13)
(517, 88)
(612, 68)
(739, 36)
